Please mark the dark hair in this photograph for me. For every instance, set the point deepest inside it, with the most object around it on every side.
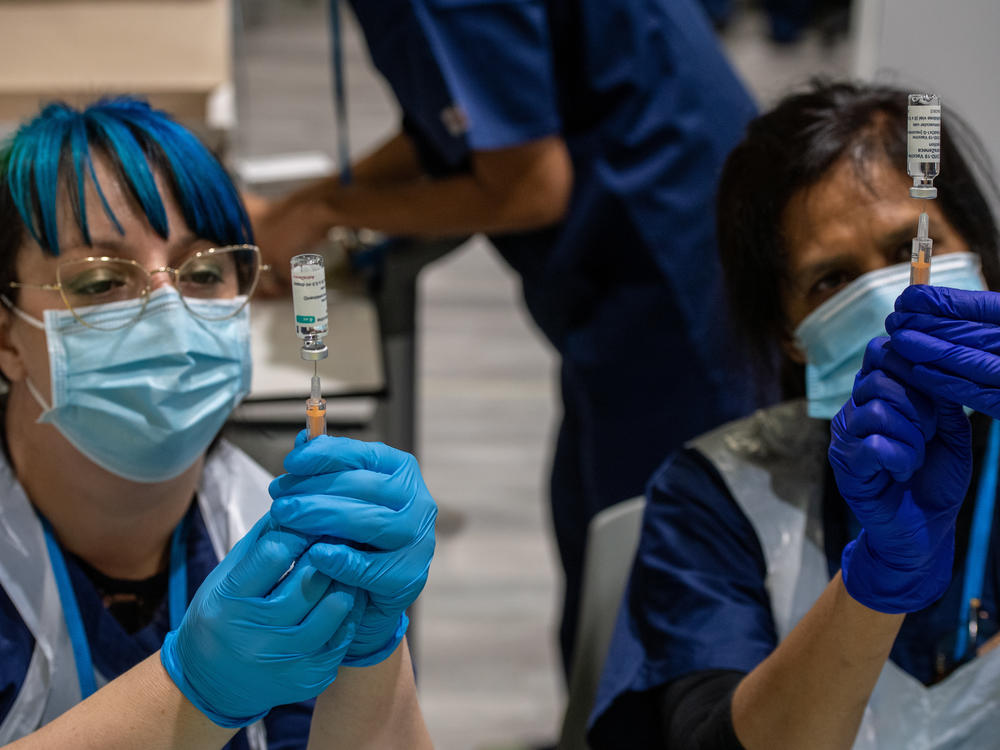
(791, 148)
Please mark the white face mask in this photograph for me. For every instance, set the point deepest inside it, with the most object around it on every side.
(145, 401)
(834, 335)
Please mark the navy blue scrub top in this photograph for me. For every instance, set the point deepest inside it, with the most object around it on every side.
(115, 651)
(649, 108)
(696, 598)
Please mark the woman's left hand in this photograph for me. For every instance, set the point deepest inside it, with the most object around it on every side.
(374, 517)
(952, 338)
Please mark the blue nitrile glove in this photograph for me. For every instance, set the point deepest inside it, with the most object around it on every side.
(373, 498)
(952, 337)
(251, 640)
(903, 463)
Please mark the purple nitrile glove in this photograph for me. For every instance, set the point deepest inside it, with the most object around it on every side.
(952, 339)
(903, 464)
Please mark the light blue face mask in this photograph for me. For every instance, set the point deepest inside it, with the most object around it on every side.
(146, 400)
(834, 335)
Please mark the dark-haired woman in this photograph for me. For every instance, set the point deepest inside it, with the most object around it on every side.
(783, 600)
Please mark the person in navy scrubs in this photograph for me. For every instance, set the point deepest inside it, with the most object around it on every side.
(585, 139)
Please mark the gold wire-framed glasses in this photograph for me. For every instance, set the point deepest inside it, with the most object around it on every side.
(218, 273)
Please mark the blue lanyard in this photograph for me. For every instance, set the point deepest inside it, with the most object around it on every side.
(979, 545)
(176, 599)
(339, 93)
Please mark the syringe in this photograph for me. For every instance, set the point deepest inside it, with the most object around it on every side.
(923, 162)
(315, 410)
(311, 325)
(920, 252)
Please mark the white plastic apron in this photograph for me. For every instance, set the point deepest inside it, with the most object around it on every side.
(773, 464)
(232, 495)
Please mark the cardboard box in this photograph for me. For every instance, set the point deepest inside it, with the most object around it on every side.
(176, 52)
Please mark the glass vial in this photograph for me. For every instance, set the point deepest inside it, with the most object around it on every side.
(923, 143)
(309, 303)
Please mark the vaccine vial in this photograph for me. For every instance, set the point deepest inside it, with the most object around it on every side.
(923, 143)
(309, 304)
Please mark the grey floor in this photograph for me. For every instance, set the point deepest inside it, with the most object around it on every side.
(487, 403)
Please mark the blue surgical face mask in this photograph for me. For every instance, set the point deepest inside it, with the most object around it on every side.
(146, 400)
(834, 336)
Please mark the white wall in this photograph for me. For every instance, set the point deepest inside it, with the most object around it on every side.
(947, 47)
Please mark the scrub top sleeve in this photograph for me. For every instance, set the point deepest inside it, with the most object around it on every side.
(16, 647)
(433, 163)
(288, 726)
(695, 601)
(496, 58)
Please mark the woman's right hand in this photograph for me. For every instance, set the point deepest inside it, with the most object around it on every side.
(264, 629)
(903, 464)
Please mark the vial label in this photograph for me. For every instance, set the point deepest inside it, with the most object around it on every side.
(923, 128)
(309, 296)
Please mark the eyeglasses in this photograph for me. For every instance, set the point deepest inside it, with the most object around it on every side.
(219, 273)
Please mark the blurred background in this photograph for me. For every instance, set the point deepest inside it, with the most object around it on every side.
(459, 375)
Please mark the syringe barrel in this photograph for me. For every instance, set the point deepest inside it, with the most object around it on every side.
(920, 260)
(923, 143)
(309, 296)
(316, 417)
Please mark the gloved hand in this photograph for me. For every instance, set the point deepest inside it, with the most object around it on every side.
(903, 463)
(251, 640)
(952, 337)
(375, 519)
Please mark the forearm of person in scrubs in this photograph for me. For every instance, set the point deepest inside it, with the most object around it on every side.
(813, 689)
(518, 188)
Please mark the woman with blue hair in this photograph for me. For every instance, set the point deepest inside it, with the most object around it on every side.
(126, 266)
